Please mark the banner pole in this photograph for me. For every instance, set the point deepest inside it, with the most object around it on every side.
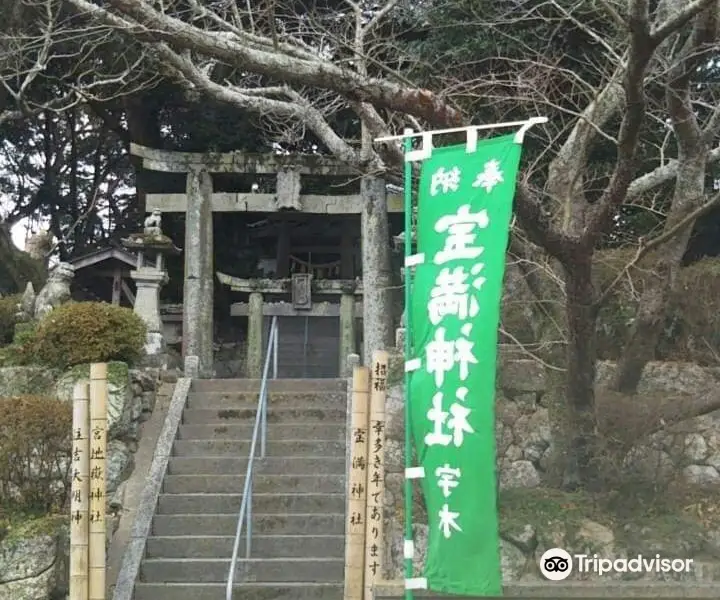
(407, 196)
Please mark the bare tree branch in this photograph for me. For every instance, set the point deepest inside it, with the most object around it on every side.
(254, 102)
(538, 226)
(639, 55)
(380, 15)
(681, 17)
(565, 180)
(661, 175)
(644, 248)
(645, 330)
(146, 23)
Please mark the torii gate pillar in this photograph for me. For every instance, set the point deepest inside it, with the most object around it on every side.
(198, 293)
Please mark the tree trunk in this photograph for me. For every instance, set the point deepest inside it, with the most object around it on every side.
(580, 468)
(645, 332)
(377, 276)
(142, 120)
(652, 309)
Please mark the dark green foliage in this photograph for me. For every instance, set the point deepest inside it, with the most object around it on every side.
(17, 268)
(25, 332)
(22, 350)
(86, 332)
(8, 308)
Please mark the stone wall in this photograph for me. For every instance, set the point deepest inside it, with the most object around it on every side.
(131, 399)
(34, 554)
(34, 560)
(524, 444)
(536, 519)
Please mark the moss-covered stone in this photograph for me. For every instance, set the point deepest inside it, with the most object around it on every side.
(673, 534)
(557, 516)
(119, 407)
(34, 559)
(150, 241)
(17, 526)
(396, 369)
(117, 374)
(27, 381)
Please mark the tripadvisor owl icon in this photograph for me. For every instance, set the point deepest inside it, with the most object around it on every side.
(555, 564)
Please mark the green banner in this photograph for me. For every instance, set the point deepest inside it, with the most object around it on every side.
(463, 219)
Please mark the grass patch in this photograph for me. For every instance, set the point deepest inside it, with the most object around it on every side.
(677, 518)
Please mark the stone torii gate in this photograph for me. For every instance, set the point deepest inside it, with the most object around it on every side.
(199, 202)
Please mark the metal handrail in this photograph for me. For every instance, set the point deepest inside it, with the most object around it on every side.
(245, 515)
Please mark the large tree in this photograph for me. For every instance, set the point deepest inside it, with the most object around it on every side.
(301, 61)
(60, 162)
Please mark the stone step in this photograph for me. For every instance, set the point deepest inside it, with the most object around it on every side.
(574, 590)
(278, 431)
(262, 484)
(273, 465)
(274, 385)
(274, 448)
(245, 591)
(213, 570)
(217, 524)
(204, 546)
(235, 399)
(174, 504)
(204, 416)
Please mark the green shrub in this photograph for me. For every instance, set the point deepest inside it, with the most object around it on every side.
(35, 453)
(15, 355)
(86, 332)
(22, 350)
(25, 332)
(8, 308)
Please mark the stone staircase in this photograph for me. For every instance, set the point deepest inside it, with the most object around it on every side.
(299, 499)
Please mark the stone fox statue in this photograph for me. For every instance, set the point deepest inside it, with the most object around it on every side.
(54, 293)
(153, 223)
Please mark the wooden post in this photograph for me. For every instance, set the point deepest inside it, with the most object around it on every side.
(98, 454)
(375, 473)
(79, 495)
(116, 286)
(357, 483)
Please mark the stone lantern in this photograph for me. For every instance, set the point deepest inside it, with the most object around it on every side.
(150, 275)
(399, 247)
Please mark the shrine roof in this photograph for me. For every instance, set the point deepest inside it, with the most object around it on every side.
(104, 255)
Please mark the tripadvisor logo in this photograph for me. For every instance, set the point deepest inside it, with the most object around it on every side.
(556, 564)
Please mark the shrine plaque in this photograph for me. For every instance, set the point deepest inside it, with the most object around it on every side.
(301, 292)
(288, 190)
